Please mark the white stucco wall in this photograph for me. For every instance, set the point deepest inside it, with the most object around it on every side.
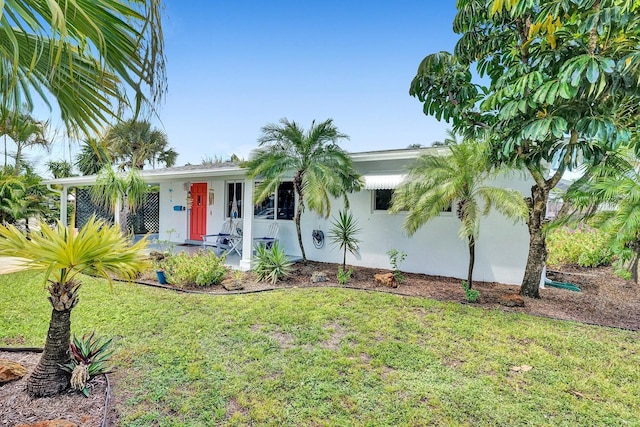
(435, 249)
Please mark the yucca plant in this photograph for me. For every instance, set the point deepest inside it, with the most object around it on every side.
(271, 264)
(97, 248)
(90, 357)
(343, 233)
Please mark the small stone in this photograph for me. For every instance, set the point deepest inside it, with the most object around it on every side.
(511, 300)
(10, 371)
(318, 276)
(50, 423)
(232, 284)
(386, 279)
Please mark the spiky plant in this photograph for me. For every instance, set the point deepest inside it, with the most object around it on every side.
(343, 233)
(271, 264)
(90, 358)
(63, 255)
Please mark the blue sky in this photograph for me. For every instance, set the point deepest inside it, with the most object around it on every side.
(235, 66)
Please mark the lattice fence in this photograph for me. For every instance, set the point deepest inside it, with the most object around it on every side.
(145, 219)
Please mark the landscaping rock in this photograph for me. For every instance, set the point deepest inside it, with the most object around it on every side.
(386, 279)
(232, 284)
(511, 300)
(10, 371)
(318, 276)
(50, 423)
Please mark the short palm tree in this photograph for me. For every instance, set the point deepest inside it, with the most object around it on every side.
(94, 155)
(343, 233)
(25, 132)
(62, 255)
(112, 187)
(320, 168)
(435, 183)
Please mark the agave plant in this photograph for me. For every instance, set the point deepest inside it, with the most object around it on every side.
(63, 255)
(90, 357)
(271, 264)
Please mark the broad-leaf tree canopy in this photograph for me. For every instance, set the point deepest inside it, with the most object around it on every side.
(563, 87)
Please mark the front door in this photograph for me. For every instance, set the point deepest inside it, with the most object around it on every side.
(198, 218)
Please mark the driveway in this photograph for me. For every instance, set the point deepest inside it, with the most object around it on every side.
(10, 264)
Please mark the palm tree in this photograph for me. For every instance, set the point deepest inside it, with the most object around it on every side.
(343, 233)
(25, 131)
(93, 156)
(321, 168)
(12, 190)
(62, 255)
(82, 56)
(134, 144)
(434, 183)
(111, 188)
(60, 168)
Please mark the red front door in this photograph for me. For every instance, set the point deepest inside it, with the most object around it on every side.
(198, 218)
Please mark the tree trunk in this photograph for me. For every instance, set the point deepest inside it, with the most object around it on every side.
(297, 184)
(634, 265)
(48, 378)
(537, 258)
(472, 260)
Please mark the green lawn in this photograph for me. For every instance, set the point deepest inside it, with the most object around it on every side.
(339, 357)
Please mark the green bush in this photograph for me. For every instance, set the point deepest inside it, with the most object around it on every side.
(344, 276)
(586, 247)
(271, 264)
(203, 268)
(471, 295)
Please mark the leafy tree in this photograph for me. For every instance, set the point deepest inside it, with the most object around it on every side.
(60, 168)
(343, 233)
(435, 182)
(563, 87)
(62, 255)
(134, 144)
(94, 155)
(81, 56)
(321, 168)
(112, 188)
(12, 189)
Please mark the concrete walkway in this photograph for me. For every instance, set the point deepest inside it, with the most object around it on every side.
(10, 264)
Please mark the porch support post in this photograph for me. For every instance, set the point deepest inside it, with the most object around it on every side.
(247, 226)
(63, 205)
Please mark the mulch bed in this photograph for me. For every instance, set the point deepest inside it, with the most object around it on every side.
(605, 300)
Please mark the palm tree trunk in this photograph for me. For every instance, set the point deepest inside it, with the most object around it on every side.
(472, 260)
(634, 265)
(297, 184)
(48, 378)
(537, 258)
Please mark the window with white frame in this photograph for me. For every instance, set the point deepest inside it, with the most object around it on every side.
(280, 205)
(382, 200)
(234, 199)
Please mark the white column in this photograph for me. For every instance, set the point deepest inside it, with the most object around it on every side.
(247, 226)
(116, 211)
(63, 205)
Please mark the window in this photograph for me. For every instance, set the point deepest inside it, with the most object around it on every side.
(382, 199)
(280, 204)
(234, 200)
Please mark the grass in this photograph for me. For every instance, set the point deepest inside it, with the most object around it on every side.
(338, 357)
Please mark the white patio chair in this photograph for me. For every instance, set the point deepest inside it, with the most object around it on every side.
(272, 236)
(221, 240)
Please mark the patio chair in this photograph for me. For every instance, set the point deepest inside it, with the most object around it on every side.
(272, 236)
(221, 240)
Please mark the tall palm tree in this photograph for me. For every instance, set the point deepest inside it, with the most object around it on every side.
(81, 56)
(435, 183)
(60, 168)
(62, 255)
(94, 155)
(320, 168)
(25, 131)
(135, 143)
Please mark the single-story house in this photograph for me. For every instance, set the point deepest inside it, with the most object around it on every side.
(196, 200)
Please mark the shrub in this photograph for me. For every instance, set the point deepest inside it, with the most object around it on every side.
(396, 258)
(586, 247)
(203, 268)
(471, 295)
(271, 264)
(344, 276)
(90, 356)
